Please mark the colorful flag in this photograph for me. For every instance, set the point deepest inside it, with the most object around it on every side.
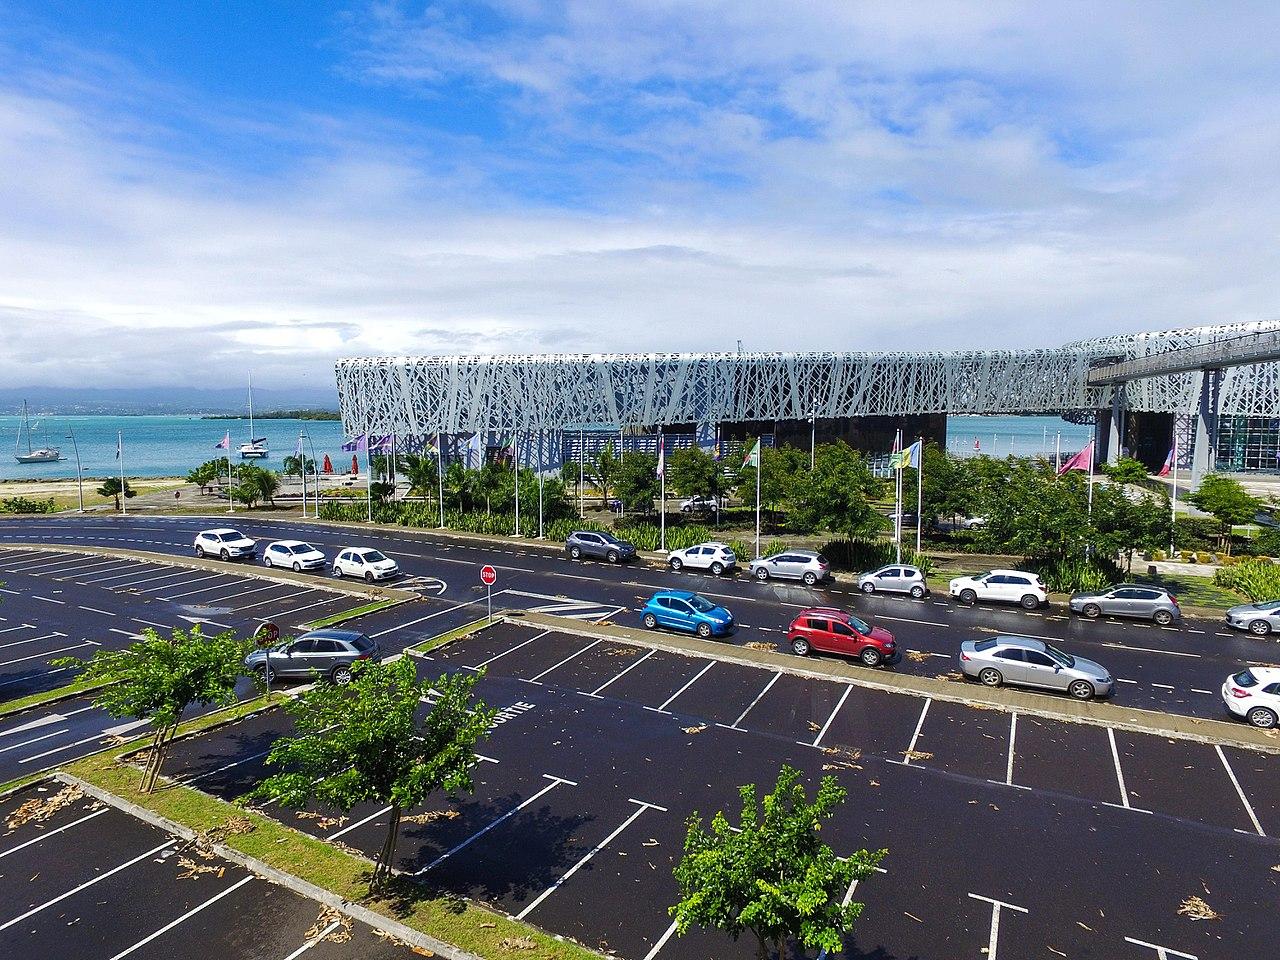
(909, 457)
(119, 441)
(433, 448)
(1081, 461)
(1168, 465)
(356, 444)
(662, 457)
(715, 453)
(223, 444)
(752, 459)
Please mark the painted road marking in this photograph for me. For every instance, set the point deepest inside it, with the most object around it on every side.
(164, 576)
(931, 623)
(1239, 792)
(619, 676)
(1124, 791)
(115, 731)
(132, 564)
(260, 603)
(166, 586)
(226, 766)
(996, 907)
(47, 636)
(911, 748)
(36, 596)
(662, 941)
(509, 650)
(1162, 953)
(49, 653)
(823, 732)
(105, 613)
(1170, 653)
(555, 782)
(430, 616)
(27, 743)
(186, 916)
(848, 898)
(641, 807)
(562, 662)
(64, 575)
(736, 725)
(191, 593)
(238, 594)
(359, 823)
(88, 883)
(74, 823)
(314, 940)
(667, 703)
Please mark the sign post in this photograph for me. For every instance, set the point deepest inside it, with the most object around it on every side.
(489, 576)
(266, 637)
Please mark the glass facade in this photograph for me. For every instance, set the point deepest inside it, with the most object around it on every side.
(1249, 443)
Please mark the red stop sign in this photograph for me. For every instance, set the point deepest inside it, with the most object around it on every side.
(488, 575)
(267, 634)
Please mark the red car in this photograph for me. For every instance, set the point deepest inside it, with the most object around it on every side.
(834, 631)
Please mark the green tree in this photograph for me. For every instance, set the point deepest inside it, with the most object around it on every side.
(1033, 511)
(294, 465)
(255, 484)
(778, 470)
(1227, 501)
(494, 484)
(421, 474)
(112, 486)
(366, 742)
(158, 678)
(206, 474)
(772, 875)
(1125, 470)
(602, 469)
(1124, 523)
(950, 486)
(693, 473)
(836, 495)
(637, 484)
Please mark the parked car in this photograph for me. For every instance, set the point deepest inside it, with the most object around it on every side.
(1254, 695)
(909, 519)
(713, 556)
(972, 523)
(803, 565)
(1027, 662)
(682, 610)
(832, 630)
(1258, 618)
(895, 578)
(321, 653)
(1128, 600)
(366, 563)
(294, 554)
(601, 546)
(224, 543)
(1003, 586)
(699, 505)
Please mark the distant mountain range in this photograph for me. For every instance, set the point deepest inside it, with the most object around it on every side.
(161, 400)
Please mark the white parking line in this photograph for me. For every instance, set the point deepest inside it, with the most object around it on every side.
(641, 808)
(823, 732)
(163, 576)
(555, 782)
(430, 616)
(509, 650)
(167, 586)
(237, 595)
(692, 681)
(44, 836)
(47, 566)
(314, 940)
(105, 613)
(1013, 736)
(261, 603)
(736, 725)
(359, 823)
(88, 883)
(996, 906)
(662, 941)
(47, 636)
(562, 662)
(623, 673)
(1168, 653)
(319, 603)
(848, 898)
(101, 735)
(225, 766)
(186, 916)
(133, 572)
(911, 748)
(930, 623)
(36, 596)
(64, 575)
(1162, 953)
(1239, 792)
(1115, 756)
(192, 593)
(49, 653)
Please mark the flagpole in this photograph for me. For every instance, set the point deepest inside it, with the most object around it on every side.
(1173, 504)
(1057, 452)
(231, 499)
(541, 435)
(440, 476)
(515, 461)
(759, 470)
(368, 477)
(897, 486)
(920, 495)
(302, 468)
(124, 508)
(582, 504)
(662, 495)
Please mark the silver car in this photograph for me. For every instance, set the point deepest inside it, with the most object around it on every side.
(1258, 618)
(1128, 600)
(325, 654)
(803, 565)
(1027, 662)
(895, 578)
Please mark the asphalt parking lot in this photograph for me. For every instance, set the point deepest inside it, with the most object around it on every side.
(1033, 837)
(79, 879)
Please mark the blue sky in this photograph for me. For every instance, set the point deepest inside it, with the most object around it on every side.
(271, 186)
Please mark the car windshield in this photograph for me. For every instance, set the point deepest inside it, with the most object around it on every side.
(233, 535)
(609, 538)
(1269, 605)
(1245, 678)
(859, 625)
(373, 556)
(1063, 658)
(304, 548)
(701, 604)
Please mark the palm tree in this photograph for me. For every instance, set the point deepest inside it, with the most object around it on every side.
(421, 472)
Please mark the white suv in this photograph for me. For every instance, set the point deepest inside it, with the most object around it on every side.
(224, 543)
(366, 563)
(716, 557)
(1004, 586)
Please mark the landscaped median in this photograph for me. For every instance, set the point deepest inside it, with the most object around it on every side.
(75, 688)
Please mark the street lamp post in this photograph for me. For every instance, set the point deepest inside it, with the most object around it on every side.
(813, 438)
(79, 475)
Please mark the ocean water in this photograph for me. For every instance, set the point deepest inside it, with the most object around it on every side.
(1020, 436)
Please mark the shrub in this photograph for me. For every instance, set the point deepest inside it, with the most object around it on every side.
(1256, 579)
(773, 546)
(27, 505)
(865, 554)
(742, 550)
(1077, 573)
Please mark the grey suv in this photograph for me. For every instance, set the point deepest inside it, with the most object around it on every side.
(792, 565)
(325, 654)
(1026, 662)
(602, 546)
(1128, 600)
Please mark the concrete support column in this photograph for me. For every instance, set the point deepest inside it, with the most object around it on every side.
(1205, 457)
(1115, 435)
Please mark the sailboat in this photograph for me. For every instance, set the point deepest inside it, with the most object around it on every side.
(45, 454)
(256, 448)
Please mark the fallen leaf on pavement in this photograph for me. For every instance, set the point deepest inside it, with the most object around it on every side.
(1197, 909)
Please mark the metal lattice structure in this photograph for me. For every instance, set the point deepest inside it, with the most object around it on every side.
(465, 394)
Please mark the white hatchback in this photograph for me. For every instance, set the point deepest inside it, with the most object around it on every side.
(366, 563)
(713, 556)
(1254, 695)
(1002, 586)
(293, 555)
(224, 543)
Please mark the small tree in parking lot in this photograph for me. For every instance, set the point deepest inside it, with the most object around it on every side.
(772, 875)
(158, 678)
(368, 742)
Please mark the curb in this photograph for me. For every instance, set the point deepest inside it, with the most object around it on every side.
(275, 875)
(1003, 699)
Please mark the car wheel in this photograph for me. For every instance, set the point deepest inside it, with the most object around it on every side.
(1081, 690)
(224, 554)
(800, 646)
(341, 675)
(1091, 610)
(1162, 617)
(917, 592)
(1259, 628)
(612, 556)
(717, 568)
(337, 571)
(368, 576)
(297, 567)
(575, 553)
(650, 621)
(675, 563)
(1261, 717)
(991, 677)
(870, 656)
(704, 630)
(868, 587)
(967, 595)
(810, 579)
(260, 671)
(266, 561)
(762, 574)
(199, 551)
(1029, 602)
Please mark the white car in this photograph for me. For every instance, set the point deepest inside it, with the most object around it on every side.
(366, 563)
(1254, 695)
(699, 505)
(294, 555)
(716, 557)
(972, 523)
(1002, 586)
(224, 543)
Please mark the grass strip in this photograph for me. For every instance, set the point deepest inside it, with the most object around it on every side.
(467, 926)
(73, 689)
(345, 615)
(457, 633)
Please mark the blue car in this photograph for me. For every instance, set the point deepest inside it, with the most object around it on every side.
(682, 610)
